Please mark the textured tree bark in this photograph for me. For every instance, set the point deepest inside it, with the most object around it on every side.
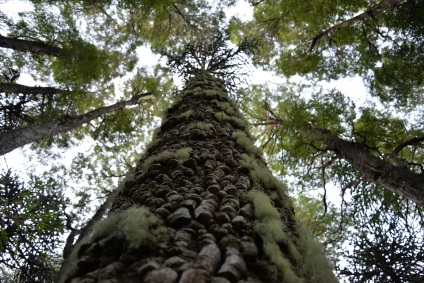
(16, 138)
(18, 88)
(397, 179)
(30, 46)
(201, 207)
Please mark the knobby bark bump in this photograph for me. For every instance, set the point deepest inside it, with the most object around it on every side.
(201, 207)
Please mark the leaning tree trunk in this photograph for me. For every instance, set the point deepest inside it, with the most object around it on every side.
(201, 207)
(32, 90)
(13, 139)
(398, 179)
(30, 46)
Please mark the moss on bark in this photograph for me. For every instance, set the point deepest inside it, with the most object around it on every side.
(227, 219)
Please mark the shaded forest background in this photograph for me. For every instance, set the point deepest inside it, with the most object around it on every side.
(92, 106)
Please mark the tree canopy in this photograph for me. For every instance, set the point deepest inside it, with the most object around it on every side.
(65, 59)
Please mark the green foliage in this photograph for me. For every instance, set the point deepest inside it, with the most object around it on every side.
(379, 130)
(384, 135)
(295, 149)
(82, 63)
(287, 123)
(31, 225)
(100, 41)
(323, 39)
(387, 243)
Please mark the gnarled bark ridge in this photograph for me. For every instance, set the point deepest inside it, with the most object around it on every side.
(202, 207)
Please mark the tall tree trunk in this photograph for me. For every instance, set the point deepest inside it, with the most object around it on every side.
(202, 207)
(18, 88)
(30, 46)
(16, 138)
(400, 180)
(371, 12)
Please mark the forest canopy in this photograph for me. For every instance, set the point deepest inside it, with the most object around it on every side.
(102, 72)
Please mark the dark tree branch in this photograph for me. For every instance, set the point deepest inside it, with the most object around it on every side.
(371, 12)
(30, 46)
(22, 136)
(18, 88)
(413, 141)
(398, 179)
(211, 55)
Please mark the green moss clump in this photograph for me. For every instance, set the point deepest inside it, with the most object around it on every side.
(270, 227)
(242, 139)
(185, 115)
(316, 266)
(181, 154)
(138, 224)
(197, 91)
(213, 92)
(239, 121)
(222, 116)
(262, 175)
(307, 261)
(179, 98)
(153, 143)
(160, 156)
(200, 126)
(226, 107)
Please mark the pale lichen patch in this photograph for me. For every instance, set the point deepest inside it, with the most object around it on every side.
(185, 115)
(242, 139)
(260, 174)
(316, 266)
(200, 126)
(138, 224)
(181, 155)
(269, 226)
(222, 116)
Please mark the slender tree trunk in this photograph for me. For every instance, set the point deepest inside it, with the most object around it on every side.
(202, 207)
(372, 11)
(397, 179)
(30, 46)
(16, 138)
(18, 88)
